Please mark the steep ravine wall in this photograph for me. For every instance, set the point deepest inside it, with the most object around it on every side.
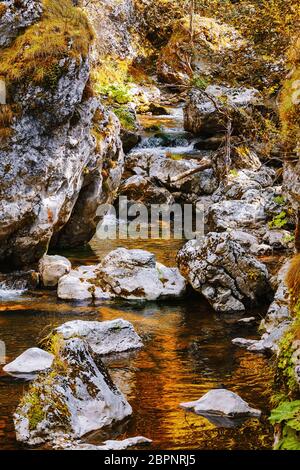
(286, 413)
(60, 153)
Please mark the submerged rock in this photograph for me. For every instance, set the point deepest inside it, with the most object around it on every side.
(105, 337)
(222, 402)
(29, 363)
(52, 268)
(109, 445)
(127, 274)
(77, 397)
(221, 270)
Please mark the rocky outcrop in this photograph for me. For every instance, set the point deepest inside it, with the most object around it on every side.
(222, 402)
(206, 112)
(180, 58)
(112, 21)
(223, 272)
(52, 268)
(76, 398)
(62, 156)
(116, 336)
(15, 15)
(127, 274)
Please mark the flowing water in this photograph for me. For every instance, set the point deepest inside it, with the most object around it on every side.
(187, 352)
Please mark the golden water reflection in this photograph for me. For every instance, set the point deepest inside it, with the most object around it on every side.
(187, 352)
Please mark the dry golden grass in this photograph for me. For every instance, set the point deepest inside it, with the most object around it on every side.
(289, 106)
(63, 31)
(6, 119)
(293, 280)
(2, 9)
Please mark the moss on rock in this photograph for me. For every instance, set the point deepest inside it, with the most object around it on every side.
(62, 32)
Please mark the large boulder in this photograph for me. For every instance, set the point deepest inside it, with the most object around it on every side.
(206, 112)
(223, 272)
(127, 274)
(61, 155)
(180, 58)
(105, 337)
(52, 268)
(77, 397)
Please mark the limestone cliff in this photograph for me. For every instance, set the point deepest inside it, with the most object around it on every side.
(60, 153)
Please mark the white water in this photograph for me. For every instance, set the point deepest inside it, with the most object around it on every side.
(7, 293)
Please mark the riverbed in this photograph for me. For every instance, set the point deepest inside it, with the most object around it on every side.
(187, 352)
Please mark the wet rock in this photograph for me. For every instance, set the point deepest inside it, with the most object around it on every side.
(243, 342)
(158, 110)
(80, 284)
(128, 274)
(204, 111)
(105, 337)
(30, 362)
(247, 321)
(212, 42)
(221, 270)
(78, 397)
(19, 280)
(269, 342)
(109, 445)
(222, 402)
(17, 16)
(140, 189)
(52, 268)
(129, 140)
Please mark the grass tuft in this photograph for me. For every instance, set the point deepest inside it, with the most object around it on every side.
(62, 32)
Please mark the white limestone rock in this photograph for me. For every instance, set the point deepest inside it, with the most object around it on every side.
(77, 398)
(105, 337)
(52, 268)
(222, 402)
(30, 362)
